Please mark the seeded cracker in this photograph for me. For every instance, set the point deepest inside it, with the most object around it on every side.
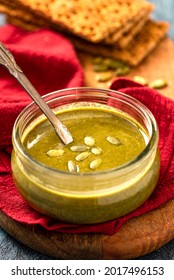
(127, 37)
(31, 22)
(23, 24)
(23, 18)
(152, 33)
(92, 21)
(131, 28)
(139, 48)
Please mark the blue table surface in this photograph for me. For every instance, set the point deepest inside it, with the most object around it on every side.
(11, 249)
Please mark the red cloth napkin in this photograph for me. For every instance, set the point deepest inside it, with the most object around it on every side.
(48, 60)
(13, 205)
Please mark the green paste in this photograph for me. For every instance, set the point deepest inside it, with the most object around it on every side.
(98, 123)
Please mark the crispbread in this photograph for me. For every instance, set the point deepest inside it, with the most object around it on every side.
(31, 23)
(20, 14)
(151, 34)
(12, 10)
(127, 37)
(91, 21)
(26, 19)
(139, 48)
(22, 23)
(13, 5)
(143, 15)
(31, 20)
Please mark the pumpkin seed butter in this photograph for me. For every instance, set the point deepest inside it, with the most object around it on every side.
(104, 138)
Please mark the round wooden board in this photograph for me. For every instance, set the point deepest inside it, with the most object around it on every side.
(138, 236)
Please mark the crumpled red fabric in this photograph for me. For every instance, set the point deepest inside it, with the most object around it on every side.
(49, 61)
(13, 205)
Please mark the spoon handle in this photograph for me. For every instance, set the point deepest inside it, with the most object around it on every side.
(7, 59)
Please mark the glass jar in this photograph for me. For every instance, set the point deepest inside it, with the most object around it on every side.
(87, 198)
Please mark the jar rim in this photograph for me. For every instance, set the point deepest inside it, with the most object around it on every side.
(100, 91)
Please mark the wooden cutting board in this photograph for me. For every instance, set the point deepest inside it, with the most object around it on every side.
(138, 236)
(158, 65)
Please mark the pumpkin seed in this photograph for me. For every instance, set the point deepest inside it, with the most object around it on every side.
(55, 153)
(82, 156)
(95, 163)
(97, 60)
(114, 64)
(89, 140)
(72, 166)
(100, 67)
(157, 84)
(113, 140)
(78, 148)
(140, 80)
(96, 151)
(104, 77)
(122, 71)
(59, 146)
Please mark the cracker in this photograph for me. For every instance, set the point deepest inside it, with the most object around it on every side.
(13, 5)
(139, 48)
(25, 19)
(92, 21)
(22, 24)
(20, 16)
(129, 25)
(127, 37)
(12, 12)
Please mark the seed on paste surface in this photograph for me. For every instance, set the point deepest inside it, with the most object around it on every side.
(89, 140)
(59, 146)
(96, 151)
(78, 148)
(55, 153)
(113, 140)
(82, 156)
(95, 163)
(72, 166)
